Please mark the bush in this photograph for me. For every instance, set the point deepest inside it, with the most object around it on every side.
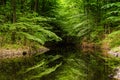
(113, 39)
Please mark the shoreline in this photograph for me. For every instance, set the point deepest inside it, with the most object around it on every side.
(21, 52)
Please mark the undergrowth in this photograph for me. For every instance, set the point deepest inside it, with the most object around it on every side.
(113, 39)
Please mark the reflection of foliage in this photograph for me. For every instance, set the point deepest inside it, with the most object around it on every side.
(73, 68)
(20, 69)
(46, 72)
(70, 66)
(96, 67)
(42, 68)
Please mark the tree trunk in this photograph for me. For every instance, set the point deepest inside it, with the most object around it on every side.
(3, 2)
(35, 5)
(43, 7)
(14, 10)
(14, 19)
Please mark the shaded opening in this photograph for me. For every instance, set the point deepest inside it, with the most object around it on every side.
(24, 53)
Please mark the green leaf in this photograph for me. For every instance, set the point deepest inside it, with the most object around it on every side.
(32, 37)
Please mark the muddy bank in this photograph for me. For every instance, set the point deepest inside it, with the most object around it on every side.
(20, 52)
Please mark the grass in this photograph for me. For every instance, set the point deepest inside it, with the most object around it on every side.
(21, 46)
(12, 46)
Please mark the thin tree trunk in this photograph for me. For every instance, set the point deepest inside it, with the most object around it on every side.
(14, 19)
(3, 2)
(43, 6)
(36, 6)
(14, 10)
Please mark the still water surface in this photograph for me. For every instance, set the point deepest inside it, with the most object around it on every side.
(76, 64)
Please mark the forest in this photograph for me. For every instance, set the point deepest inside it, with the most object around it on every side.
(59, 39)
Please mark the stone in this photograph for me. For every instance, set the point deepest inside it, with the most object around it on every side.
(113, 53)
(116, 74)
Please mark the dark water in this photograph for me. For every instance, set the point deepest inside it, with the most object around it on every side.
(79, 64)
(63, 63)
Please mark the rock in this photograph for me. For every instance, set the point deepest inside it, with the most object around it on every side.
(114, 53)
(117, 73)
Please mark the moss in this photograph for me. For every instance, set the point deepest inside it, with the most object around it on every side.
(21, 46)
(113, 39)
(12, 46)
(116, 49)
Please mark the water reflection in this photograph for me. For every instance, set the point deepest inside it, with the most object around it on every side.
(77, 64)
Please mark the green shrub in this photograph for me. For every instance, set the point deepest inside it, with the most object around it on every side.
(113, 39)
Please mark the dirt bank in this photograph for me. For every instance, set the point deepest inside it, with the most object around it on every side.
(20, 52)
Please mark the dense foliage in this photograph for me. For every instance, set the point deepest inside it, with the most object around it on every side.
(23, 22)
(36, 22)
(88, 18)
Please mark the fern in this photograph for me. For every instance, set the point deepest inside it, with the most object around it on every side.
(113, 39)
(50, 35)
(2, 18)
(82, 28)
(36, 66)
(43, 62)
(111, 5)
(113, 19)
(31, 37)
(32, 28)
(73, 69)
(112, 14)
(42, 68)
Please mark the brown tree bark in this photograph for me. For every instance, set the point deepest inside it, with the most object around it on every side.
(43, 6)
(14, 19)
(14, 10)
(36, 5)
(3, 2)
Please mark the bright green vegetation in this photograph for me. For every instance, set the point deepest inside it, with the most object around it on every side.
(22, 22)
(90, 18)
(112, 63)
(31, 23)
(113, 39)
